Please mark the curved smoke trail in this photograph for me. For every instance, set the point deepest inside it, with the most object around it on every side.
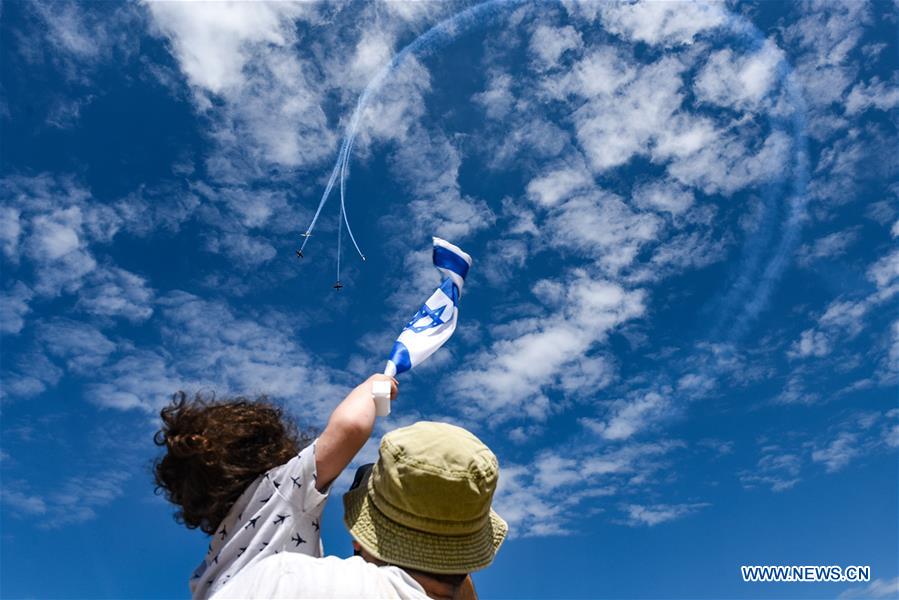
(752, 290)
(443, 32)
(481, 14)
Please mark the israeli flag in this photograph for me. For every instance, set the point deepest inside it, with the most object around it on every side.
(435, 321)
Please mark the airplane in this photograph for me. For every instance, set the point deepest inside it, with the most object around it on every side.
(337, 285)
(299, 254)
(306, 234)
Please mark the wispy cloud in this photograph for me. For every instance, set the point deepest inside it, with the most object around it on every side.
(654, 23)
(777, 469)
(548, 496)
(655, 514)
(852, 438)
(75, 500)
(831, 246)
(879, 588)
(515, 371)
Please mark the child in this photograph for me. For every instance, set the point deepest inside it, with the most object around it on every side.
(240, 471)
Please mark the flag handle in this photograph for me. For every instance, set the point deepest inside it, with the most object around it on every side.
(380, 390)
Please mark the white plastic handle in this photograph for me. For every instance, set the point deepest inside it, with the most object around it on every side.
(380, 389)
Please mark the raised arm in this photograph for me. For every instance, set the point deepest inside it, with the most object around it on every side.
(347, 431)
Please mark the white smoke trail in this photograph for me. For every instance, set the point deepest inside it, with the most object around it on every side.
(744, 301)
(443, 32)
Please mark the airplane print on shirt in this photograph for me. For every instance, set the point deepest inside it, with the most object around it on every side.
(282, 514)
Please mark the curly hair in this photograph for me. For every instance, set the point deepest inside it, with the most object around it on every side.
(214, 449)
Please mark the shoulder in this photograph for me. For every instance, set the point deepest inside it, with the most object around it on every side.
(302, 463)
(291, 575)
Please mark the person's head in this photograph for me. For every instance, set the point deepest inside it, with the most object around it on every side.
(214, 449)
(425, 505)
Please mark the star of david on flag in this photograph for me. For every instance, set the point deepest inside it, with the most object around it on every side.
(435, 321)
(424, 313)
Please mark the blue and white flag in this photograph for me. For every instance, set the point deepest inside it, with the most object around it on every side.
(435, 321)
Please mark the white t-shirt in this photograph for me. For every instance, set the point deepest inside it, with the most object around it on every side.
(279, 512)
(298, 576)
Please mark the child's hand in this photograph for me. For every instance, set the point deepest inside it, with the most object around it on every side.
(394, 385)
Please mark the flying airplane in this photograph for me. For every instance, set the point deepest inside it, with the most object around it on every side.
(299, 254)
(338, 285)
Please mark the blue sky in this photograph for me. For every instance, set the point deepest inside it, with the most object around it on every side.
(679, 334)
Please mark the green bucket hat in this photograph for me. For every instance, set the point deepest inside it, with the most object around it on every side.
(426, 503)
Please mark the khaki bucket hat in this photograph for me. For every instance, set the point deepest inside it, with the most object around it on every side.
(426, 503)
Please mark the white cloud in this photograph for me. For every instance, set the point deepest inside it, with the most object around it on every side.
(810, 343)
(10, 231)
(696, 383)
(620, 123)
(428, 163)
(600, 73)
(510, 375)
(143, 379)
(58, 222)
(55, 235)
(627, 417)
(270, 97)
(885, 271)
(726, 163)
(720, 447)
(373, 52)
(838, 453)
(527, 512)
(559, 182)
(777, 469)
(659, 23)
(893, 359)
(879, 588)
(696, 249)
(115, 292)
(550, 495)
(819, 42)
(249, 251)
(396, 108)
(14, 307)
(498, 98)
(214, 43)
(740, 81)
(413, 10)
(602, 226)
(664, 196)
(74, 500)
(631, 110)
(23, 503)
(73, 42)
(860, 434)
(83, 347)
(548, 44)
(877, 94)
(206, 344)
(795, 390)
(655, 514)
(830, 246)
(849, 316)
(504, 258)
(70, 31)
(32, 375)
